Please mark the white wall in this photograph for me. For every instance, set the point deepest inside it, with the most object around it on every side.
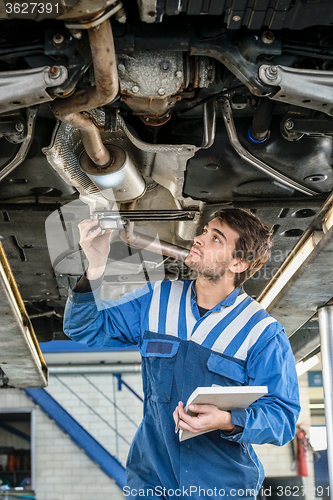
(63, 471)
(100, 426)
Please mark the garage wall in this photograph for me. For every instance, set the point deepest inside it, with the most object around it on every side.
(91, 399)
(63, 471)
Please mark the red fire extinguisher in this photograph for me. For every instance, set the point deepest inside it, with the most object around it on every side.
(302, 452)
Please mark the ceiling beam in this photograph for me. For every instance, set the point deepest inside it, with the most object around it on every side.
(309, 288)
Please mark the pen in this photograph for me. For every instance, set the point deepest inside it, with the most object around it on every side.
(177, 425)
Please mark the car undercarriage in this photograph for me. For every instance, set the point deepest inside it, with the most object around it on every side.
(149, 115)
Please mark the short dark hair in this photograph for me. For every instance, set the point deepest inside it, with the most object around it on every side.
(254, 243)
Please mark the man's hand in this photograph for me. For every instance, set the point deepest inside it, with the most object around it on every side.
(209, 418)
(95, 247)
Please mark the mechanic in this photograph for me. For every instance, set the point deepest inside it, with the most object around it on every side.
(196, 333)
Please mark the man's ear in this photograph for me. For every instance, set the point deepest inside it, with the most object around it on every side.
(239, 266)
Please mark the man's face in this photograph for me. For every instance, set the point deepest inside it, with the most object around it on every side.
(212, 252)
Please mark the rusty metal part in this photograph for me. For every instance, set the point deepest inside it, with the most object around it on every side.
(153, 112)
(106, 78)
(94, 121)
(153, 120)
(116, 10)
(139, 240)
(196, 76)
(201, 71)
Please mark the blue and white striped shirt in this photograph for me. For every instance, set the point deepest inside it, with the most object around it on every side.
(232, 327)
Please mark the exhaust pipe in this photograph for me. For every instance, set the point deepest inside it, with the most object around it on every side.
(106, 89)
(139, 240)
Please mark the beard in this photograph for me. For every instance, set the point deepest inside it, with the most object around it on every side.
(213, 272)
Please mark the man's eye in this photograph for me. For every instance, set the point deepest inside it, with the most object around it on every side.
(217, 239)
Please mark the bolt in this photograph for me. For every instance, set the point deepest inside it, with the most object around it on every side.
(77, 34)
(179, 74)
(236, 19)
(267, 37)
(271, 72)
(289, 125)
(161, 91)
(54, 72)
(164, 65)
(135, 89)
(19, 127)
(121, 67)
(120, 15)
(58, 39)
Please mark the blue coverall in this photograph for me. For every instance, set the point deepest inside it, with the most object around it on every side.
(235, 343)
